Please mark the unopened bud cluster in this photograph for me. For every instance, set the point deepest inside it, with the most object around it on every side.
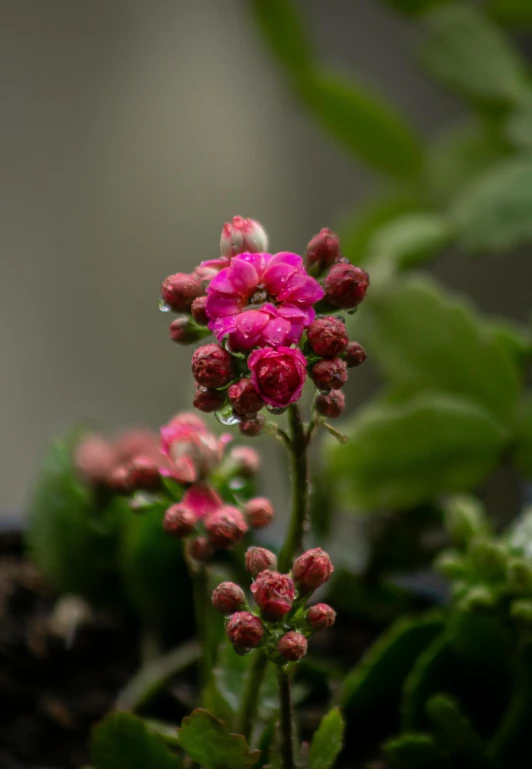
(281, 623)
(268, 313)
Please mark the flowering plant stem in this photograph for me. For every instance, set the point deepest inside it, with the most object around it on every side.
(287, 718)
(250, 695)
(300, 489)
(202, 610)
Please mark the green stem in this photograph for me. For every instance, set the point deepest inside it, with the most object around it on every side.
(202, 607)
(287, 719)
(300, 489)
(251, 695)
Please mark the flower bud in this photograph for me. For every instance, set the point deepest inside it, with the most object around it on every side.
(311, 570)
(321, 616)
(258, 559)
(179, 520)
(327, 337)
(346, 285)
(225, 526)
(242, 236)
(274, 594)
(245, 631)
(95, 458)
(182, 330)
(330, 405)
(322, 251)
(292, 646)
(246, 460)
(252, 427)
(144, 475)
(211, 366)
(329, 374)
(245, 398)
(354, 355)
(258, 512)
(278, 374)
(199, 549)
(228, 598)
(198, 310)
(179, 291)
(118, 481)
(207, 400)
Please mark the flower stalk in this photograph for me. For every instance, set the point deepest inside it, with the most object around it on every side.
(286, 718)
(300, 488)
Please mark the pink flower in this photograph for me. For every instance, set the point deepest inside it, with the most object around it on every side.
(278, 375)
(262, 299)
(192, 450)
(202, 499)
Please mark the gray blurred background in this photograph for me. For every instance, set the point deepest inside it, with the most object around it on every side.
(130, 131)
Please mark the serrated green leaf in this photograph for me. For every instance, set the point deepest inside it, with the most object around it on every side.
(423, 339)
(122, 741)
(413, 750)
(208, 742)
(283, 28)
(493, 212)
(456, 734)
(471, 57)
(403, 455)
(327, 741)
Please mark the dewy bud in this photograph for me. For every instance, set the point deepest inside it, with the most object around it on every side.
(246, 460)
(228, 598)
(354, 355)
(346, 285)
(179, 291)
(327, 337)
(225, 526)
(311, 570)
(292, 646)
(179, 520)
(211, 366)
(258, 512)
(321, 616)
(329, 374)
(259, 559)
(252, 427)
(274, 594)
(322, 251)
(330, 405)
(208, 400)
(183, 331)
(198, 310)
(200, 549)
(245, 398)
(245, 631)
(144, 475)
(242, 236)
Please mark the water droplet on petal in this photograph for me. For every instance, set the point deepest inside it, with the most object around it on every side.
(276, 410)
(163, 307)
(226, 418)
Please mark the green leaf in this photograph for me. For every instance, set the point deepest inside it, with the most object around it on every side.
(431, 667)
(122, 741)
(493, 212)
(470, 56)
(208, 742)
(406, 454)
(423, 339)
(518, 128)
(365, 124)
(523, 451)
(327, 741)
(283, 29)
(413, 750)
(513, 338)
(515, 13)
(456, 734)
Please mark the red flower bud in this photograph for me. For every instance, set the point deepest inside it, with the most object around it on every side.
(179, 291)
(321, 616)
(252, 427)
(327, 337)
(183, 331)
(259, 559)
(225, 526)
(245, 631)
(258, 512)
(179, 520)
(95, 458)
(198, 310)
(274, 594)
(354, 354)
(330, 405)
(211, 366)
(245, 398)
(311, 570)
(322, 251)
(247, 460)
(207, 400)
(292, 646)
(278, 374)
(329, 374)
(242, 236)
(118, 481)
(200, 549)
(228, 598)
(346, 285)
(144, 475)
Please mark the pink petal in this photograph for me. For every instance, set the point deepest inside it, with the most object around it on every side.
(202, 499)
(243, 276)
(278, 332)
(223, 326)
(258, 261)
(222, 283)
(184, 470)
(220, 306)
(295, 314)
(276, 276)
(248, 329)
(301, 289)
(286, 257)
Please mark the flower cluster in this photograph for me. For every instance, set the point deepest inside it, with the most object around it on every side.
(275, 323)
(282, 623)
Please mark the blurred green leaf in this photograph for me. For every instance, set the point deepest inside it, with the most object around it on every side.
(413, 750)
(208, 742)
(282, 27)
(406, 454)
(413, 7)
(519, 124)
(431, 668)
(516, 13)
(122, 741)
(423, 339)
(512, 338)
(493, 212)
(456, 734)
(471, 57)
(523, 450)
(327, 741)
